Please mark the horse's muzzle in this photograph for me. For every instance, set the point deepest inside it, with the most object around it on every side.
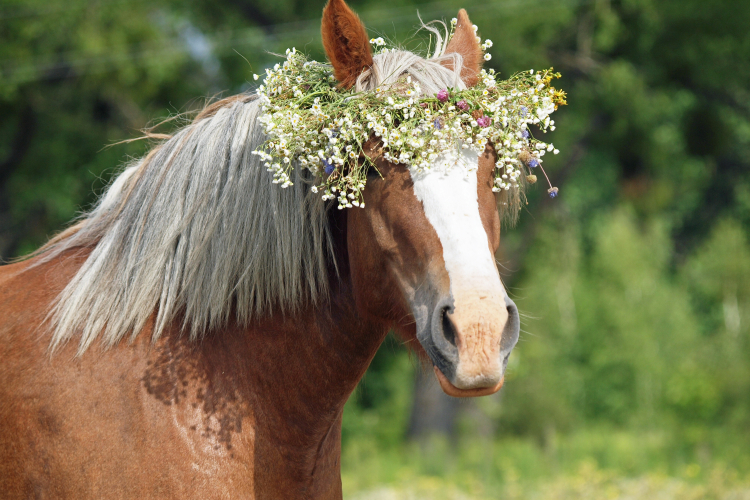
(470, 341)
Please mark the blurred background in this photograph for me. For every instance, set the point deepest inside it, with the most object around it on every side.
(632, 375)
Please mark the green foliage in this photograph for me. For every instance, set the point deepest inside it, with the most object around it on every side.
(718, 274)
(379, 407)
(618, 330)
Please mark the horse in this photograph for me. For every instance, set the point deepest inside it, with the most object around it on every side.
(197, 333)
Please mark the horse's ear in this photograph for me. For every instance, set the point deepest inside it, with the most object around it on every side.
(345, 41)
(465, 42)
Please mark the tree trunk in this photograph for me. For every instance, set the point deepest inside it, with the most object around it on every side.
(433, 412)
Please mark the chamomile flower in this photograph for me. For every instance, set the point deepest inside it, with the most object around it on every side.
(313, 124)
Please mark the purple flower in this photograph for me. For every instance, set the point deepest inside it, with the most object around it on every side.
(483, 121)
(552, 192)
(328, 167)
(442, 95)
(524, 110)
(533, 163)
(437, 124)
(462, 105)
(525, 134)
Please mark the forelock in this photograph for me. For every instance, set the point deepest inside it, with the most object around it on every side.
(432, 74)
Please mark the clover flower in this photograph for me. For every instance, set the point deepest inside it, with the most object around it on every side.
(483, 121)
(442, 95)
(462, 105)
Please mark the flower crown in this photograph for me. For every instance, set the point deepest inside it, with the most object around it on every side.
(313, 124)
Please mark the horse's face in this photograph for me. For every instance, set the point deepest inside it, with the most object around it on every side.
(423, 248)
(422, 251)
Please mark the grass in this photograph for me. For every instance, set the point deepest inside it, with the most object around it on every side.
(592, 464)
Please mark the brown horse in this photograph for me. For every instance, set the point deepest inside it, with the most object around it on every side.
(251, 312)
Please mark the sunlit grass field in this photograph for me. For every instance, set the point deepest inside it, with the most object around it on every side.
(586, 465)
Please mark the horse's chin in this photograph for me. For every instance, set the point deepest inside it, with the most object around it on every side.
(452, 390)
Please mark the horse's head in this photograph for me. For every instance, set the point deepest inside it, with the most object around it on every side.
(427, 239)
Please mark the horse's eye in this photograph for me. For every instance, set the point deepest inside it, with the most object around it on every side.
(373, 173)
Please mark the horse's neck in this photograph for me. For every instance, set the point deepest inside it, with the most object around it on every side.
(288, 378)
(291, 373)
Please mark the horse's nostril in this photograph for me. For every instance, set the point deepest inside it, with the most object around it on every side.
(512, 327)
(448, 331)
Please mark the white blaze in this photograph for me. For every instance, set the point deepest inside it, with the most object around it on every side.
(448, 192)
